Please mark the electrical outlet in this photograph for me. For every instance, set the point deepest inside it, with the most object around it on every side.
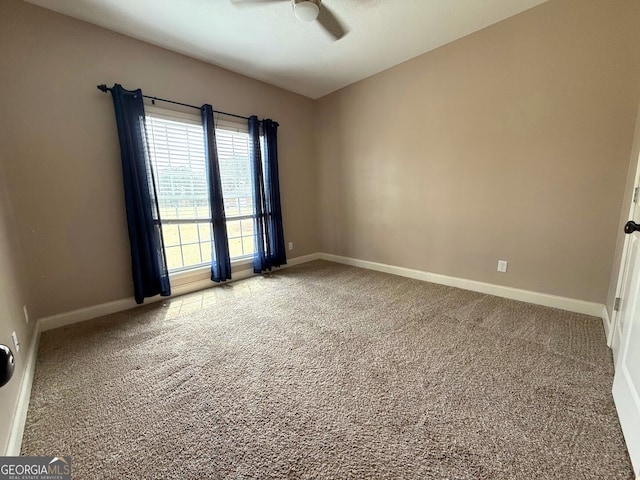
(26, 313)
(14, 335)
(290, 245)
(502, 266)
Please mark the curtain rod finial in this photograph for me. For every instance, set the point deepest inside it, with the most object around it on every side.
(103, 87)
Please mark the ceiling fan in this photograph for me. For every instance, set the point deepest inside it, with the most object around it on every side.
(308, 11)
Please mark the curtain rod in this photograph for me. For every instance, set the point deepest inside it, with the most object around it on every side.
(106, 89)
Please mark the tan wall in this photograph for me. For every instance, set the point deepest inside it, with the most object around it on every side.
(60, 146)
(13, 295)
(512, 143)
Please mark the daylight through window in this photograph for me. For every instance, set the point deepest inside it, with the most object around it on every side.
(178, 159)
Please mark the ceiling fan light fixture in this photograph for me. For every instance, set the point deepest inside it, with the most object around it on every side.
(306, 11)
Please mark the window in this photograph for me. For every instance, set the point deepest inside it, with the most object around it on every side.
(178, 159)
(237, 187)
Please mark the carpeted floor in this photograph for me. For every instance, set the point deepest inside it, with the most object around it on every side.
(327, 371)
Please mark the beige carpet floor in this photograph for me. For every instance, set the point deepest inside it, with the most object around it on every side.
(327, 371)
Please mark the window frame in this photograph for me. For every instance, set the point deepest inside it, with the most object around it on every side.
(189, 274)
(237, 127)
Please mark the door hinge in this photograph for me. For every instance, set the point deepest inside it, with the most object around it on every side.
(616, 304)
(635, 195)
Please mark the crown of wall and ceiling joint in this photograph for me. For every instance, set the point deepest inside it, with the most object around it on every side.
(266, 41)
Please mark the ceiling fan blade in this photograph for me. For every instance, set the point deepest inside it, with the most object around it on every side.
(331, 23)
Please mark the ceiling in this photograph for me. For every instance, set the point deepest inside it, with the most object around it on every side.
(266, 42)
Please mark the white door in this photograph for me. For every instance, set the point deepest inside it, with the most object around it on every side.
(614, 336)
(626, 383)
(614, 328)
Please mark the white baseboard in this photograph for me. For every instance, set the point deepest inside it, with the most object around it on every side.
(563, 303)
(303, 259)
(95, 311)
(82, 314)
(24, 395)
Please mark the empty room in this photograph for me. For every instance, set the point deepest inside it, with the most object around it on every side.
(321, 239)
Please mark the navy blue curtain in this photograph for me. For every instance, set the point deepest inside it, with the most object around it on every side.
(148, 261)
(268, 234)
(220, 259)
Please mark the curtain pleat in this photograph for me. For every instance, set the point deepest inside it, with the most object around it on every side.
(272, 187)
(148, 261)
(220, 258)
(268, 232)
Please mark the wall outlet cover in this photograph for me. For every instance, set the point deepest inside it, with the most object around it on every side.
(502, 266)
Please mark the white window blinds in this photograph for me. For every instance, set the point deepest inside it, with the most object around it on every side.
(176, 146)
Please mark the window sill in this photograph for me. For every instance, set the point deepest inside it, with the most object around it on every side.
(200, 273)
